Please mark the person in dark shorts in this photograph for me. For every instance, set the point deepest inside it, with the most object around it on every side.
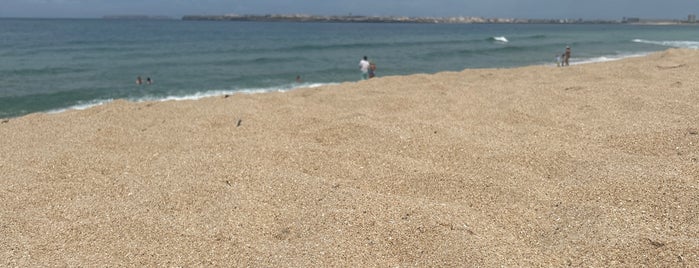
(566, 57)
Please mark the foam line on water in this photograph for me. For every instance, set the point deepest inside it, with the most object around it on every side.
(608, 58)
(670, 43)
(83, 105)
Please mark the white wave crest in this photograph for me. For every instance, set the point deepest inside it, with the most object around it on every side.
(676, 44)
(501, 39)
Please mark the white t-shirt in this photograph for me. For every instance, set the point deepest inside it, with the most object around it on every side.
(364, 66)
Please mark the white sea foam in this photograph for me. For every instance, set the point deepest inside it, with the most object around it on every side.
(676, 44)
(608, 58)
(501, 39)
(82, 105)
(194, 96)
(577, 61)
(216, 93)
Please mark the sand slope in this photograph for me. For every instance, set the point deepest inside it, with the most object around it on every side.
(593, 165)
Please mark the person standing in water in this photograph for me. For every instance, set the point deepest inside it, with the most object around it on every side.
(364, 68)
(139, 81)
(566, 57)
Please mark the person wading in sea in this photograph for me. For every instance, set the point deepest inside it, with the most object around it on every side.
(364, 67)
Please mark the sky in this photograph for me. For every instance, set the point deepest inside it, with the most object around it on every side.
(549, 9)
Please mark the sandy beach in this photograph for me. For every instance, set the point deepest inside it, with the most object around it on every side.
(593, 165)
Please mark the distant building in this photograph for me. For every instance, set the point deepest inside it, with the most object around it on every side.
(692, 18)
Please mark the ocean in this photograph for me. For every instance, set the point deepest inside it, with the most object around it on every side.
(53, 65)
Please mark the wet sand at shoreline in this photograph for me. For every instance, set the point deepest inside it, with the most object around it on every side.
(587, 165)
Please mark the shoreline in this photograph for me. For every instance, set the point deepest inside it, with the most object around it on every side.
(588, 165)
(288, 87)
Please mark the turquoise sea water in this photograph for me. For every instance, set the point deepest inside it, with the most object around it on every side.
(54, 65)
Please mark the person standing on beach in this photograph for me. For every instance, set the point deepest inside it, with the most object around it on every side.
(364, 67)
(566, 57)
(372, 70)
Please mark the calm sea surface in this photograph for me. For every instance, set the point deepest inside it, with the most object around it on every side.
(54, 65)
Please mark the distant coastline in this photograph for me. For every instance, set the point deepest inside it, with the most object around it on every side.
(136, 17)
(380, 19)
(427, 20)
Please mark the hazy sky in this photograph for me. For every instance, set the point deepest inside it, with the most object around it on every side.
(587, 9)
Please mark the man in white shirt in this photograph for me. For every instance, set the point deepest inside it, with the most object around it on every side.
(364, 67)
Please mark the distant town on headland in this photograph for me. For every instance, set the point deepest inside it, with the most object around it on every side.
(690, 19)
